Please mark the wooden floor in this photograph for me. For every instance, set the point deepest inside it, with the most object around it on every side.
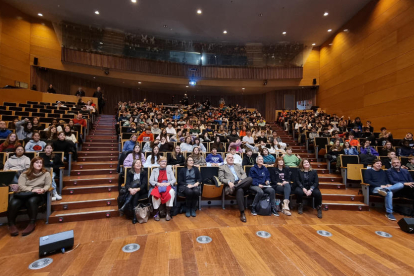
(170, 248)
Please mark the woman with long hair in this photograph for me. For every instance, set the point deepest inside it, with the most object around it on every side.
(176, 158)
(197, 143)
(218, 145)
(268, 159)
(33, 184)
(334, 152)
(51, 160)
(163, 134)
(198, 157)
(281, 177)
(307, 184)
(51, 133)
(10, 144)
(135, 154)
(152, 160)
(36, 124)
(17, 162)
(24, 129)
(69, 135)
(188, 181)
(187, 146)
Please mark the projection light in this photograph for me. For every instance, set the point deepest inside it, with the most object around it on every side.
(192, 83)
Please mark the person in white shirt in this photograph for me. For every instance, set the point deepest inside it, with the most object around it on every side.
(237, 159)
(248, 138)
(170, 129)
(152, 160)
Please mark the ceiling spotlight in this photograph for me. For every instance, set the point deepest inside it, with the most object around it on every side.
(260, 14)
(165, 26)
(171, 29)
(199, 11)
(330, 30)
(96, 12)
(313, 44)
(284, 33)
(39, 14)
(224, 32)
(326, 14)
(346, 30)
(186, 86)
(139, 82)
(133, 1)
(93, 77)
(243, 88)
(330, 44)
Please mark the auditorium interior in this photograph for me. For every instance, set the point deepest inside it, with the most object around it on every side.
(220, 137)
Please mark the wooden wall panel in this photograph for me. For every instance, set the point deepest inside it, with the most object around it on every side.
(369, 71)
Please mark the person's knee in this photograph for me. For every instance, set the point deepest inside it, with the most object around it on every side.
(271, 192)
(259, 192)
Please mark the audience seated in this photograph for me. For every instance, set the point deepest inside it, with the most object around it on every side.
(214, 159)
(80, 121)
(10, 144)
(198, 157)
(405, 149)
(135, 154)
(4, 132)
(386, 149)
(291, 160)
(153, 159)
(129, 145)
(280, 182)
(54, 161)
(236, 158)
(146, 136)
(248, 160)
(268, 159)
(17, 162)
(188, 180)
(24, 129)
(162, 180)
(350, 150)
(61, 144)
(176, 158)
(410, 164)
(32, 186)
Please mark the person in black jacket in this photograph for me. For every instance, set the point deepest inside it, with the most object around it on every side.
(80, 92)
(176, 158)
(136, 185)
(188, 181)
(61, 144)
(280, 178)
(307, 184)
(98, 94)
(51, 89)
(51, 160)
(248, 160)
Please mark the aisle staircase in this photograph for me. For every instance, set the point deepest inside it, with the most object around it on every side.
(335, 195)
(91, 190)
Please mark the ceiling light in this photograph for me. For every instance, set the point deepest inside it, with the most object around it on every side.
(224, 32)
(165, 26)
(326, 14)
(330, 44)
(139, 82)
(199, 11)
(39, 14)
(243, 88)
(313, 44)
(284, 33)
(133, 1)
(171, 29)
(260, 14)
(330, 30)
(186, 86)
(96, 12)
(93, 77)
(346, 30)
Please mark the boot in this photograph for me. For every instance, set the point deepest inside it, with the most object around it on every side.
(29, 229)
(134, 220)
(157, 215)
(56, 195)
(285, 207)
(193, 209)
(319, 209)
(122, 209)
(167, 215)
(13, 230)
(300, 208)
(188, 209)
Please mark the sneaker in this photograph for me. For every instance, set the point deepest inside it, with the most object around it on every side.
(390, 216)
(382, 192)
(58, 197)
(274, 212)
(53, 198)
(254, 212)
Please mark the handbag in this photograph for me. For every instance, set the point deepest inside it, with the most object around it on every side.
(24, 195)
(142, 212)
(263, 207)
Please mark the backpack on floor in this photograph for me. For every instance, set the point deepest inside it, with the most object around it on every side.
(263, 207)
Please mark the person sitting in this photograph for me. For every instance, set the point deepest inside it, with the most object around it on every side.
(137, 185)
(386, 148)
(198, 157)
(380, 184)
(248, 160)
(155, 130)
(248, 138)
(353, 142)
(333, 154)
(150, 145)
(291, 160)
(187, 146)
(410, 164)
(153, 159)
(385, 136)
(24, 129)
(17, 162)
(268, 159)
(130, 144)
(80, 121)
(218, 145)
(236, 182)
(279, 142)
(280, 182)
(387, 162)
(368, 154)
(176, 158)
(367, 149)
(214, 159)
(54, 161)
(10, 144)
(307, 184)
(132, 128)
(405, 149)
(32, 185)
(237, 144)
(146, 136)
(4, 132)
(350, 150)
(69, 135)
(197, 143)
(188, 181)
(236, 158)
(61, 144)
(135, 154)
(398, 175)
(409, 138)
(162, 180)
(261, 185)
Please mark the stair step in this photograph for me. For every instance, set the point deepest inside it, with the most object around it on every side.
(91, 138)
(90, 179)
(331, 185)
(345, 205)
(100, 144)
(319, 165)
(98, 158)
(93, 171)
(94, 165)
(83, 214)
(99, 188)
(94, 149)
(78, 201)
(112, 153)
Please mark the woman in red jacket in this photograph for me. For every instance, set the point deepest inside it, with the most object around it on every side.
(10, 144)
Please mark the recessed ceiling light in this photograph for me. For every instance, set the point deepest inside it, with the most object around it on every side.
(284, 33)
(171, 29)
(260, 14)
(39, 14)
(326, 14)
(133, 1)
(313, 44)
(199, 11)
(346, 30)
(96, 12)
(330, 30)
(165, 26)
(330, 44)
(243, 88)
(93, 77)
(139, 82)
(186, 86)
(224, 32)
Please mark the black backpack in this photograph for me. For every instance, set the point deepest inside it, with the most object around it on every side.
(263, 207)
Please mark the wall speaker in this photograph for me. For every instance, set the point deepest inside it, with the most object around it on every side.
(407, 225)
(314, 82)
(35, 61)
(55, 243)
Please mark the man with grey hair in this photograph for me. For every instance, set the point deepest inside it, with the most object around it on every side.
(236, 182)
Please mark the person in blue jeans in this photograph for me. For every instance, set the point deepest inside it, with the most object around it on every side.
(380, 184)
(400, 176)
